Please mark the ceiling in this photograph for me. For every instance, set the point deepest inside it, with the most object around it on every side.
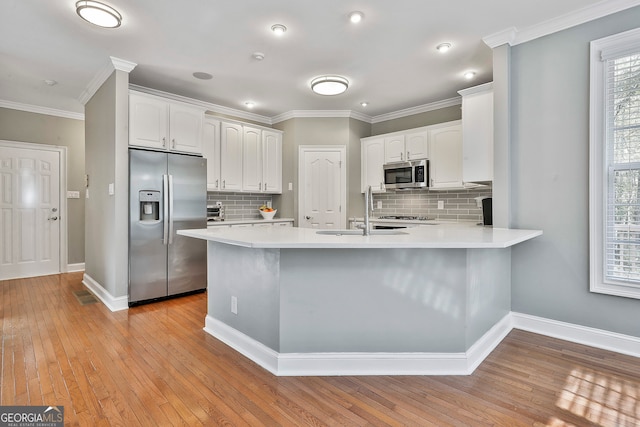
(390, 58)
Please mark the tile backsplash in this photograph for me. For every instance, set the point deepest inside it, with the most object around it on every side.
(459, 205)
(239, 205)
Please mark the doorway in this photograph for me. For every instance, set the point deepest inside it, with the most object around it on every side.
(33, 226)
(322, 186)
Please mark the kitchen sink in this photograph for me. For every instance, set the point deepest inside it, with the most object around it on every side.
(359, 232)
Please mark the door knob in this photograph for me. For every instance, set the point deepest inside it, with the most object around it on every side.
(53, 218)
(307, 217)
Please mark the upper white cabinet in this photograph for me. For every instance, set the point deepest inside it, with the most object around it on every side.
(445, 146)
(211, 152)
(407, 145)
(271, 162)
(162, 124)
(477, 133)
(231, 160)
(371, 162)
(242, 158)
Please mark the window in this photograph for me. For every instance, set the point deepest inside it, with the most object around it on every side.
(615, 165)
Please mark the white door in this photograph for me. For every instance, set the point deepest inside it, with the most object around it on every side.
(322, 183)
(29, 212)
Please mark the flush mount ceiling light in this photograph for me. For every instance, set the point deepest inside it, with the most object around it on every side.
(202, 76)
(98, 14)
(443, 47)
(469, 75)
(250, 104)
(329, 85)
(279, 29)
(356, 17)
(258, 56)
(364, 103)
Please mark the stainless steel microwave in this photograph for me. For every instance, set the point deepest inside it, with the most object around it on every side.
(413, 174)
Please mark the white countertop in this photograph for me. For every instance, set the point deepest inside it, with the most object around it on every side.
(429, 236)
(247, 221)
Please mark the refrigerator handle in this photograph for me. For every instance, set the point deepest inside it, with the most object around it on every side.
(165, 205)
(170, 209)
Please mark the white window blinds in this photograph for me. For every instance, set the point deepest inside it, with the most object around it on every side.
(622, 134)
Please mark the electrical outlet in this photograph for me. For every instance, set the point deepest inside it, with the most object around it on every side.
(218, 203)
(291, 186)
(112, 189)
(440, 204)
(234, 305)
(379, 204)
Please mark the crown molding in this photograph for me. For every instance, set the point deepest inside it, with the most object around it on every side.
(297, 114)
(103, 74)
(417, 110)
(41, 110)
(513, 36)
(476, 89)
(206, 105)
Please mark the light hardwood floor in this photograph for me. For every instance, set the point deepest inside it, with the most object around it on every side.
(154, 365)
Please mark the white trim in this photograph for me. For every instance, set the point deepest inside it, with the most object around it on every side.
(72, 268)
(62, 201)
(328, 364)
(343, 178)
(476, 89)
(513, 36)
(417, 110)
(41, 110)
(112, 303)
(103, 74)
(598, 338)
(206, 105)
(350, 363)
(294, 114)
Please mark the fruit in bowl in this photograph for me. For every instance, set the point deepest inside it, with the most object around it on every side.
(267, 212)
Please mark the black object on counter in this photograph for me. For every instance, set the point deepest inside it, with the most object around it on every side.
(487, 211)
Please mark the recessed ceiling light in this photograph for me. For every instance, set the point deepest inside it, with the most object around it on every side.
(202, 76)
(469, 75)
(98, 14)
(279, 29)
(329, 85)
(356, 17)
(250, 104)
(50, 82)
(258, 56)
(443, 47)
(364, 103)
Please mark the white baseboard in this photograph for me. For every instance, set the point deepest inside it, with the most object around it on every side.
(72, 268)
(329, 364)
(112, 303)
(624, 344)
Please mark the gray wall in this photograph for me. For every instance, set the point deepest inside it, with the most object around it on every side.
(106, 130)
(23, 126)
(550, 179)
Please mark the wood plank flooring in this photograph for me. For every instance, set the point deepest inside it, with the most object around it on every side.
(154, 366)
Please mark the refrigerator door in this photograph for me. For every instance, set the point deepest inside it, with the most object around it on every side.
(187, 258)
(147, 252)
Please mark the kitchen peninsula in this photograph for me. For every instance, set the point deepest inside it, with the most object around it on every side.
(432, 300)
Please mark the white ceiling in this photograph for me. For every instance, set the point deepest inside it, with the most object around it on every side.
(389, 58)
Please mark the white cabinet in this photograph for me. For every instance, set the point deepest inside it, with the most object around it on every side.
(251, 160)
(161, 124)
(445, 146)
(262, 161)
(408, 145)
(211, 152)
(271, 162)
(477, 133)
(371, 162)
(230, 156)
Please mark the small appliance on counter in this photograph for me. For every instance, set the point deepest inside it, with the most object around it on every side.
(487, 211)
(215, 213)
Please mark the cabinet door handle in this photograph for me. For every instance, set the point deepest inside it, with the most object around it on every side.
(173, 143)
(259, 186)
(164, 142)
(217, 181)
(224, 184)
(265, 186)
(408, 156)
(401, 156)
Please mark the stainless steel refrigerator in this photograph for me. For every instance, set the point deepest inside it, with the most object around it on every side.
(167, 192)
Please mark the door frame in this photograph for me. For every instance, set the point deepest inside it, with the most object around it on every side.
(62, 202)
(302, 149)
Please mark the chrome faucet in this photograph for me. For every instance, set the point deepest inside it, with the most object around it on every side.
(368, 209)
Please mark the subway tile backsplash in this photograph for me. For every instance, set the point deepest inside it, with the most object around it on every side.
(239, 205)
(459, 205)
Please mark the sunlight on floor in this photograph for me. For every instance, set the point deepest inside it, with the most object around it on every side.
(601, 399)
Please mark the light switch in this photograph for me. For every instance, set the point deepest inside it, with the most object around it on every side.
(290, 186)
(73, 194)
(111, 189)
